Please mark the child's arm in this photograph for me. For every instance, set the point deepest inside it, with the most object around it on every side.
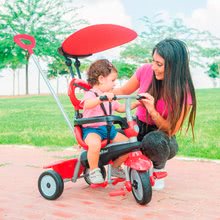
(91, 103)
(121, 107)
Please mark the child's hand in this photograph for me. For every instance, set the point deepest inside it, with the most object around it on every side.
(137, 103)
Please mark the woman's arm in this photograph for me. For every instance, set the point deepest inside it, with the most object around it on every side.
(121, 107)
(164, 125)
(160, 122)
(129, 87)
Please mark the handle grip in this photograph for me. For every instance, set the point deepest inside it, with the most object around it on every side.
(139, 97)
(29, 47)
(105, 98)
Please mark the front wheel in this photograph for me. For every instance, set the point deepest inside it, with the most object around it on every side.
(50, 185)
(141, 187)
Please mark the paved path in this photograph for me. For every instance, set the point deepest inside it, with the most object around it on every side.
(192, 192)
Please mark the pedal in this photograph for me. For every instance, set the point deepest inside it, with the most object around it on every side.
(128, 186)
(117, 180)
(160, 175)
(97, 185)
(152, 180)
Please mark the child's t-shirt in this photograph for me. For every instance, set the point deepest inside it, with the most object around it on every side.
(145, 75)
(97, 111)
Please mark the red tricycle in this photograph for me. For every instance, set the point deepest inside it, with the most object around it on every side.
(139, 178)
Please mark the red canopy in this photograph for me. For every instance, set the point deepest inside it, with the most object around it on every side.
(97, 38)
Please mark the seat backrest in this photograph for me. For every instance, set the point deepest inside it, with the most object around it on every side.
(77, 83)
(78, 134)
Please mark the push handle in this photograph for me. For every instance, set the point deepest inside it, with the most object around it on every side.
(29, 47)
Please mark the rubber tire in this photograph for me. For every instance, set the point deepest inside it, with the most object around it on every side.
(141, 186)
(86, 171)
(46, 180)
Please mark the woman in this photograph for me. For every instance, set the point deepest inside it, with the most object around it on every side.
(169, 97)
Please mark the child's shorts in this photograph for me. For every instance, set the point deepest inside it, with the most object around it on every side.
(101, 131)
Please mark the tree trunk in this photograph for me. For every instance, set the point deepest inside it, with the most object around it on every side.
(38, 80)
(26, 70)
(67, 83)
(57, 84)
(13, 92)
(214, 80)
(18, 82)
(38, 83)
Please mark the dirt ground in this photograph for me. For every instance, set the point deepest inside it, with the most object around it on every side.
(192, 191)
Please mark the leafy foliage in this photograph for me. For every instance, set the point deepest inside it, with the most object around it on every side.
(201, 44)
(125, 70)
(47, 20)
(214, 70)
(57, 67)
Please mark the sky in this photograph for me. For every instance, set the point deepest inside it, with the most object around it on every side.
(200, 14)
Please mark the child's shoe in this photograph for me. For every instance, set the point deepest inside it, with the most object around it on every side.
(159, 183)
(118, 172)
(96, 176)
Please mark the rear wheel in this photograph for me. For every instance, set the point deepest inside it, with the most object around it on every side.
(50, 185)
(86, 174)
(141, 187)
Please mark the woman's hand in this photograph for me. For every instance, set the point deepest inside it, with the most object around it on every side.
(148, 102)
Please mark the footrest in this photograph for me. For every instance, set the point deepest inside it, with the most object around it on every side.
(104, 184)
(160, 175)
(120, 192)
(117, 180)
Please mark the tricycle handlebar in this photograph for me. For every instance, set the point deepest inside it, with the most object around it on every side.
(118, 97)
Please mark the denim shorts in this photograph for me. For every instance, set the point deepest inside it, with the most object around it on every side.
(101, 131)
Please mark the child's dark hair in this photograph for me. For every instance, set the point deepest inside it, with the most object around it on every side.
(99, 68)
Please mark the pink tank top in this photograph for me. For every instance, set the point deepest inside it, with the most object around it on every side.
(144, 75)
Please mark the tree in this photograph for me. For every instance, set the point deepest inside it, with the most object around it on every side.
(125, 70)
(8, 60)
(56, 68)
(202, 44)
(14, 65)
(214, 71)
(43, 19)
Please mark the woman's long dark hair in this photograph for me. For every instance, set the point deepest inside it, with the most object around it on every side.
(177, 83)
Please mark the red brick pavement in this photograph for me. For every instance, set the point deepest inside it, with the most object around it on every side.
(192, 192)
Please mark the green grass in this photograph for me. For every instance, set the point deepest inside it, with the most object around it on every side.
(207, 127)
(36, 120)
